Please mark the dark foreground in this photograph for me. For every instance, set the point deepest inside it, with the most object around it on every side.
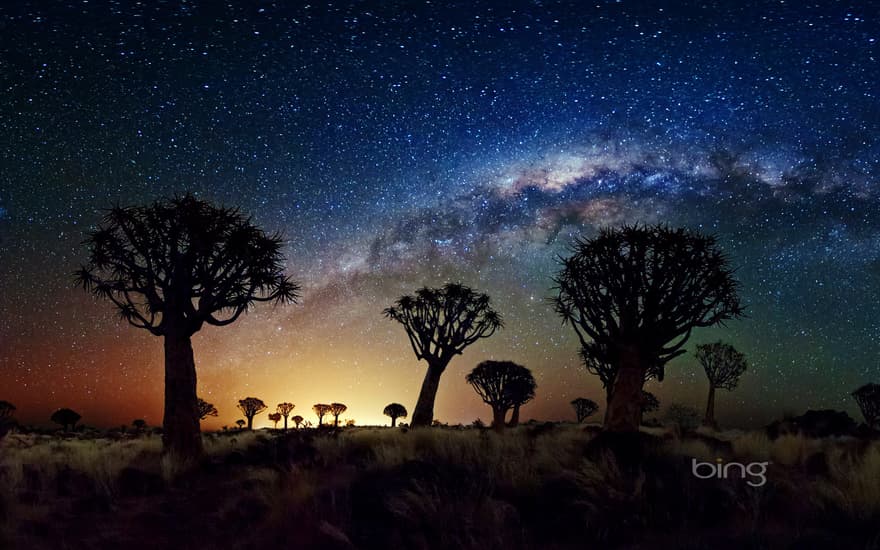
(537, 486)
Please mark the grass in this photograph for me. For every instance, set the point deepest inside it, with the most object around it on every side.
(536, 485)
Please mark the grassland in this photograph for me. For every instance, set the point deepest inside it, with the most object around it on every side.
(536, 486)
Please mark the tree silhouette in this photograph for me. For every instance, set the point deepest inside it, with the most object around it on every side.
(205, 409)
(723, 365)
(322, 410)
(284, 410)
(633, 295)
(7, 409)
(868, 398)
(240, 423)
(521, 390)
(395, 411)
(648, 403)
(250, 407)
(336, 409)
(170, 268)
(440, 324)
(498, 383)
(7, 421)
(65, 417)
(584, 408)
(139, 424)
(276, 418)
(297, 420)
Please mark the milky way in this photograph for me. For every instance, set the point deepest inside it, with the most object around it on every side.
(401, 144)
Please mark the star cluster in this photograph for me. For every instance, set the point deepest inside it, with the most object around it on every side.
(402, 144)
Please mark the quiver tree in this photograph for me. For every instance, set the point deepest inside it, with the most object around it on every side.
(395, 411)
(275, 417)
(284, 410)
(205, 409)
(440, 324)
(250, 407)
(7, 422)
(297, 420)
(66, 418)
(648, 403)
(584, 408)
(520, 390)
(321, 410)
(868, 398)
(240, 423)
(723, 365)
(633, 295)
(499, 383)
(336, 409)
(174, 266)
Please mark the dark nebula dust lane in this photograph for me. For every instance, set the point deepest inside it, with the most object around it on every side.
(402, 144)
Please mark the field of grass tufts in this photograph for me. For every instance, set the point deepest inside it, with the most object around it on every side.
(537, 486)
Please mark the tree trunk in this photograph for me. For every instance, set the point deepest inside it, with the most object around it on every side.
(607, 403)
(250, 423)
(393, 421)
(625, 405)
(180, 426)
(514, 417)
(285, 423)
(423, 414)
(498, 418)
(709, 419)
(336, 421)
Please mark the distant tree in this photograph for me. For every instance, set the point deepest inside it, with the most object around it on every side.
(633, 295)
(686, 418)
(336, 409)
(436, 423)
(521, 390)
(240, 423)
(205, 409)
(139, 424)
(250, 407)
(723, 365)
(7, 422)
(170, 268)
(297, 420)
(349, 423)
(284, 409)
(494, 382)
(440, 324)
(66, 418)
(395, 411)
(276, 418)
(868, 398)
(648, 403)
(321, 410)
(584, 408)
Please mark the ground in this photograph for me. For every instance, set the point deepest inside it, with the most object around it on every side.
(554, 486)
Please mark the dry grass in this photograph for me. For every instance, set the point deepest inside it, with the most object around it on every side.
(543, 468)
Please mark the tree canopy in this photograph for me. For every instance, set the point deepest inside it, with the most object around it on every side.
(440, 323)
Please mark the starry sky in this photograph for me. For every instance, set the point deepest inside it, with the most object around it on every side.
(402, 144)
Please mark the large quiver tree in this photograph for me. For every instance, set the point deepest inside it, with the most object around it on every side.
(633, 295)
(170, 268)
(440, 324)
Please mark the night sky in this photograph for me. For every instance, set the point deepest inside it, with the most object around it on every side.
(402, 144)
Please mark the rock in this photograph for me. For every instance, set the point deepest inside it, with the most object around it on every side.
(815, 424)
